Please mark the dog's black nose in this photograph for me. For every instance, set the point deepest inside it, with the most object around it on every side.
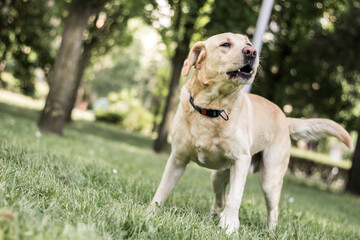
(249, 52)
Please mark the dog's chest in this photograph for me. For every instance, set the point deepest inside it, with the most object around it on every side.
(213, 149)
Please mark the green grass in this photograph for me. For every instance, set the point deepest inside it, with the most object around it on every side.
(97, 181)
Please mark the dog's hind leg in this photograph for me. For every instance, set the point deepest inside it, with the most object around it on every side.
(219, 181)
(272, 171)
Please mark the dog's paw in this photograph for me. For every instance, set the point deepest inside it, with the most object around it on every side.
(215, 211)
(153, 207)
(229, 222)
(271, 226)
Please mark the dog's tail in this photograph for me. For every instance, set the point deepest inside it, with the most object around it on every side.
(316, 128)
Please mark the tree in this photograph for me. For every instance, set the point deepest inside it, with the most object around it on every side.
(106, 29)
(347, 34)
(66, 64)
(353, 181)
(179, 33)
(305, 65)
(126, 72)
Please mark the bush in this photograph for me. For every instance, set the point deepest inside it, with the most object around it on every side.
(126, 110)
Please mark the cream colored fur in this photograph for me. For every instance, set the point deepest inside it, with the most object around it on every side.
(257, 135)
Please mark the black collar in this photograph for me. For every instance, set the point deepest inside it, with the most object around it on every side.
(209, 112)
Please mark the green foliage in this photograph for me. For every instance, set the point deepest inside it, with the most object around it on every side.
(97, 183)
(126, 110)
(228, 16)
(108, 26)
(129, 69)
(308, 48)
(175, 21)
(26, 35)
(118, 70)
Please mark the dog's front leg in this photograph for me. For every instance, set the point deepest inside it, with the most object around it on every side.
(174, 169)
(229, 218)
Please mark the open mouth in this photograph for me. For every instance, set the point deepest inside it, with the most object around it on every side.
(243, 72)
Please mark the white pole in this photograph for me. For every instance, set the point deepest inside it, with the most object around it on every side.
(261, 24)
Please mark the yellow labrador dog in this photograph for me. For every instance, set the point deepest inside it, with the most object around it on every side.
(220, 127)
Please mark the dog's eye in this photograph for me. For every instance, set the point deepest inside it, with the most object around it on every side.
(225, 44)
(249, 44)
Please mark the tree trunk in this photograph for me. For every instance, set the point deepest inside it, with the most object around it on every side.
(85, 57)
(66, 64)
(353, 183)
(84, 60)
(160, 144)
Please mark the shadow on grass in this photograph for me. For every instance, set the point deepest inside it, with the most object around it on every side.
(99, 129)
(311, 184)
(111, 132)
(19, 112)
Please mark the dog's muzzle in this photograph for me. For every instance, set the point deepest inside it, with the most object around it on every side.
(245, 72)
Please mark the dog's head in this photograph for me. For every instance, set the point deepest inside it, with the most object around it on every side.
(224, 57)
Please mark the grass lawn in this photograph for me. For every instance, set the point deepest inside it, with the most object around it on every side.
(97, 181)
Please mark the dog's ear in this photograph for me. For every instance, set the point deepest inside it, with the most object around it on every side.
(197, 53)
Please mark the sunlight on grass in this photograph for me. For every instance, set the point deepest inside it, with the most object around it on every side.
(20, 100)
(320, 158)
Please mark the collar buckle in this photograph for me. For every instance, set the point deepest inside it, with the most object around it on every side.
(226, 117)
(209, 112)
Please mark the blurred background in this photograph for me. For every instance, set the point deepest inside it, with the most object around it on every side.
(119, 62)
